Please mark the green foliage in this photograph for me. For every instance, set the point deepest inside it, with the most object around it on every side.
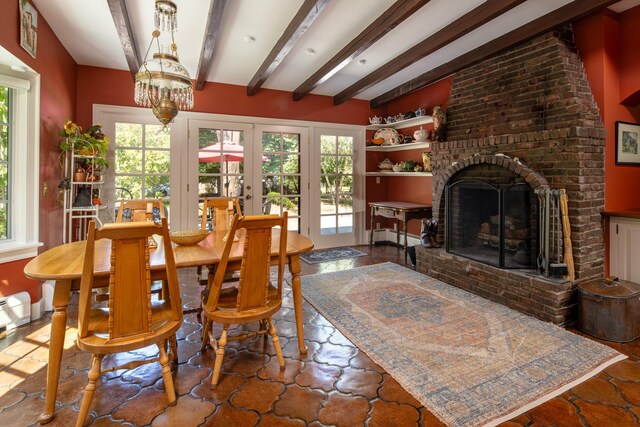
(4, 162)
(90, 143)
(142, 160)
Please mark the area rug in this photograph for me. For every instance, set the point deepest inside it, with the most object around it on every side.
(316, 257)
(468, 360)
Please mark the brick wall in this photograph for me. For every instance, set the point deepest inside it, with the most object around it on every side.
(533, 103)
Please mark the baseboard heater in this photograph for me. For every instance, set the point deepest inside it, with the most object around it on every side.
(15, 310)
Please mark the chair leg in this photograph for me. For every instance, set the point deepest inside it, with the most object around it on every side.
(276, 341)
(94, 374)
(166, 374)
(222, 342)
(206, 329)
(173, 350)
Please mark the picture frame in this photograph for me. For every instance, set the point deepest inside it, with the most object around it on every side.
(627, 143)
(28, 27)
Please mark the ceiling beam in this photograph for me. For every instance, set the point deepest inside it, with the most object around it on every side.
(392, 17)
(568, 13)
(467, 23)
(300, 23)
(125, 33)
(210, 39)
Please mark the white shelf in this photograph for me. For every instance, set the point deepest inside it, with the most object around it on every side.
(403, 123)
(398, 173)
(399, 147)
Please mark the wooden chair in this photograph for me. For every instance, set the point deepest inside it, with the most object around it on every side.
(137, 213)
(132, 320)
(254, 299)
(215, 215)
(138, 209)
(215, 212)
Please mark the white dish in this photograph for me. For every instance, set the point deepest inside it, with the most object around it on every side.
(391, 136)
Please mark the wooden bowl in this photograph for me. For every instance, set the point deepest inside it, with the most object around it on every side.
(188, 237)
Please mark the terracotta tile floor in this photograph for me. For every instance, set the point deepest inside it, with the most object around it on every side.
(334, 384)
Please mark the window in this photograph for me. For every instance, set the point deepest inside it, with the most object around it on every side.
(5, 165)
(142, 166)
(19, 149)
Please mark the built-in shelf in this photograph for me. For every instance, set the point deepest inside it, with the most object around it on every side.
(399, 147)
(421, 120)
(398, 174)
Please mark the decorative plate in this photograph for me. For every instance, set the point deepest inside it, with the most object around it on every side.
(391, 136)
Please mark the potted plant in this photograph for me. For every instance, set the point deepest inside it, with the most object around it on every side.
(92, 143)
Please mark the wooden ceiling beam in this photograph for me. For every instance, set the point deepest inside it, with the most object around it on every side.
(391, 18)
(210, 40)
(568, 13)
(467, 23)
(300, 23)
(120, 17)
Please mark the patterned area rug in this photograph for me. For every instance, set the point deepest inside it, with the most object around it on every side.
(468, 360)
(316, 257)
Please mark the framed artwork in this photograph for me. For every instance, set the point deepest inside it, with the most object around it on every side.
(627, 143)
(28, 27)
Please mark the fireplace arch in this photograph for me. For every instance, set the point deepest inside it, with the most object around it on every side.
(531, 177)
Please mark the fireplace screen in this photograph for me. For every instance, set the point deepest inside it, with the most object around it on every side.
(494, 223)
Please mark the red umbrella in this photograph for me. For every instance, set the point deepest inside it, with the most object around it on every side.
(227, 152)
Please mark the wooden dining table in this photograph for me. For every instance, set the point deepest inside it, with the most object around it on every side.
(63, 264)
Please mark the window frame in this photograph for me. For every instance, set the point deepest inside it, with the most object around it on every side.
(24, 154)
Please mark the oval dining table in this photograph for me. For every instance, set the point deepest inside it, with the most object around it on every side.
(63, 264)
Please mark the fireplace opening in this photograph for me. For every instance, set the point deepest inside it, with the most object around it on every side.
(492, 217)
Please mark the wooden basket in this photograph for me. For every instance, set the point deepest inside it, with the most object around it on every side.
(188, 237)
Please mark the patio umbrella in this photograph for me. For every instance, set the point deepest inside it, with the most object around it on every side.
(226, 151)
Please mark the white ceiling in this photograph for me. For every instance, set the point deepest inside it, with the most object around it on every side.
(86, 29)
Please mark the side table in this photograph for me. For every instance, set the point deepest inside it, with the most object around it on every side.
(401, 212)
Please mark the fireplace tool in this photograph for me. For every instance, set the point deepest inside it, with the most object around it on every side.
(543, 254)
(558, 268)
(554, 234)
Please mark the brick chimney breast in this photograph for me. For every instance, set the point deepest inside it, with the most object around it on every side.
(532, 102)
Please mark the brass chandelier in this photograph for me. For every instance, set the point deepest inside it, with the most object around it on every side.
(162, 83)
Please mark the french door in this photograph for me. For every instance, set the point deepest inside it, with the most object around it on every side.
(281, 174)
(263, 166)
(336, 190)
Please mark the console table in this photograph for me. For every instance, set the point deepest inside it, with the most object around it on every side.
(401, 212)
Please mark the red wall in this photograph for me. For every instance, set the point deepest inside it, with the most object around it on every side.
(599, 40)
(113, 87)
(630, 57)
(57, 104)
(408, 189)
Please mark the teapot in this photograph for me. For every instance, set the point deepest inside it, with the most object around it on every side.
(420, 112)
(399, 117)
(375, 120)
(421, 135)
(390, 119)
(385, 165)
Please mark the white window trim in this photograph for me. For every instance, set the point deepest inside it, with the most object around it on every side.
(25, 165)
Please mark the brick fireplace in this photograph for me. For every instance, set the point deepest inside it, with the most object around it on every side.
(525, 119)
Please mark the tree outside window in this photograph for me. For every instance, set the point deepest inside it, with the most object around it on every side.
(5, 130)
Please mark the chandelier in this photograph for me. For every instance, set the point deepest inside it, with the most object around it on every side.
(161, 82)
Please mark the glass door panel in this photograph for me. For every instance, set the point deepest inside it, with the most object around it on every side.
(142, 162)
(336, 184)
(281, 176)
(220, 163)
(336, 188)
